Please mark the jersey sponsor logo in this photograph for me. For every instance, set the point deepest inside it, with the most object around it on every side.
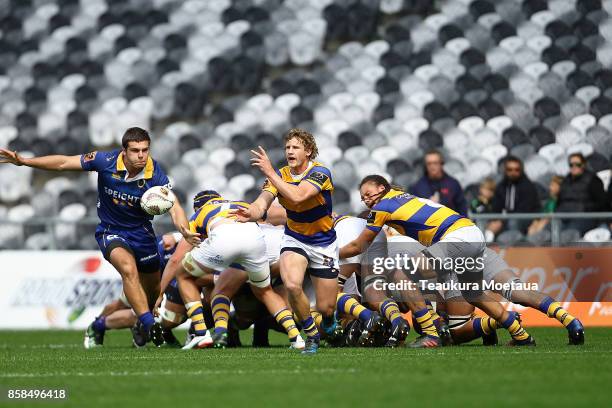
(371, 217)
(318, 177)
(266, 184)
(117, 195)
(89, 156)
(146, 258)
(217, 259)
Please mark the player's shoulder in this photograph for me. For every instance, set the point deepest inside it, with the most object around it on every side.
(320, 167)
(101, 158)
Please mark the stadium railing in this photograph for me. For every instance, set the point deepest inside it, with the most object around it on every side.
(163, 225)
(556, 220)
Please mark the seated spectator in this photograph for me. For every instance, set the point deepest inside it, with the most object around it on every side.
(483, 203)
(549, 206)
(439, 187)
(514, 194)
(581, 191)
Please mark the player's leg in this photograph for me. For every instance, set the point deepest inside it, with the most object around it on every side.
(94, 335)
(123, 261)
(256, 263)
(543, 303)
(293, 269)
(186, 277)
(150, 282)
(346, 303)
(226, 286)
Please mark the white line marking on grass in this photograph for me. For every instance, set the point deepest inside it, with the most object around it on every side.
(176, 373)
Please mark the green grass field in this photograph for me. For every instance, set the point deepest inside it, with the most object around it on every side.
(551, 374)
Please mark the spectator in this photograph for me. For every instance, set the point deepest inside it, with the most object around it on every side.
(438, 186)
(483, 203)
(514, 194)
(549, 207)
(581, 191)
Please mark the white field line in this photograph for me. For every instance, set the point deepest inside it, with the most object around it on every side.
(175, 373)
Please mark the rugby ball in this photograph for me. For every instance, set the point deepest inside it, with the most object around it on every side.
(157, 200)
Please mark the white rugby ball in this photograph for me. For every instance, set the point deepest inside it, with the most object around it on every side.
(157, 200)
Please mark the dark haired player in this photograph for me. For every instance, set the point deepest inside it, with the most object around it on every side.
(446, 234)
(125, 234)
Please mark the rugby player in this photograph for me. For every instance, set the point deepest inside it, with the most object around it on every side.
(125, 234)
(304, 188)
(228, 243)
(446, 234)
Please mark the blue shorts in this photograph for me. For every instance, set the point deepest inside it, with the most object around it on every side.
(140, 242)
(172, 293)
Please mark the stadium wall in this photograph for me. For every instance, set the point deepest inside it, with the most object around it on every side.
(66, 289)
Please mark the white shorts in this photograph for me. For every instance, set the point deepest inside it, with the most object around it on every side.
(493, 264)
(322, 260)
(349, 229)
(274, 237)
(241, 243)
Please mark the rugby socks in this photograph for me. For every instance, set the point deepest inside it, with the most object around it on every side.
(147, 320)
(317, 317)
(484, 325)
(310, 329)
(424, 319)
(432, 311)
(514, 328)
(196, 314)
(350, 306)
(554, 310)
(285, 319)
(220, 311)
(99, 324)
(391, 311)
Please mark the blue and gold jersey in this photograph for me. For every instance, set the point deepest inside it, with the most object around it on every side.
(309, 222)
(118, 196)
(213, 209)
(417, 218)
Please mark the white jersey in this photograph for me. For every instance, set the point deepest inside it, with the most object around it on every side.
(273, 237)
(349, 228)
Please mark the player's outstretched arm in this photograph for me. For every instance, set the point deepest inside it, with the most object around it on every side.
(180, 222)
(54, 162)
(256, 210)
(358, 245)
(172, 266)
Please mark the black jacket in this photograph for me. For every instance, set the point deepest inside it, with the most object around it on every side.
(584, 193)
(516, 197)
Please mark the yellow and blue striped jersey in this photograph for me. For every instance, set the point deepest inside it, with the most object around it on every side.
(213, 209)
(415, 217)
(309, 222)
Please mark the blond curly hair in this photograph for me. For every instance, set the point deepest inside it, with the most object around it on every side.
(306, 138)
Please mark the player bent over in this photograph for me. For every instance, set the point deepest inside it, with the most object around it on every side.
(446, 234)
(125, 234)
(228, 242)
(304, 188)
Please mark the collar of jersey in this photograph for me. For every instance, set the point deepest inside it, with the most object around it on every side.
(300, 176)
(147, 173)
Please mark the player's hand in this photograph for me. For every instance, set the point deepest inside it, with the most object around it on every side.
(168, 241)
(156, 307)
(6, 156)
(262, 161)
(241, 214)
(193, 238)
